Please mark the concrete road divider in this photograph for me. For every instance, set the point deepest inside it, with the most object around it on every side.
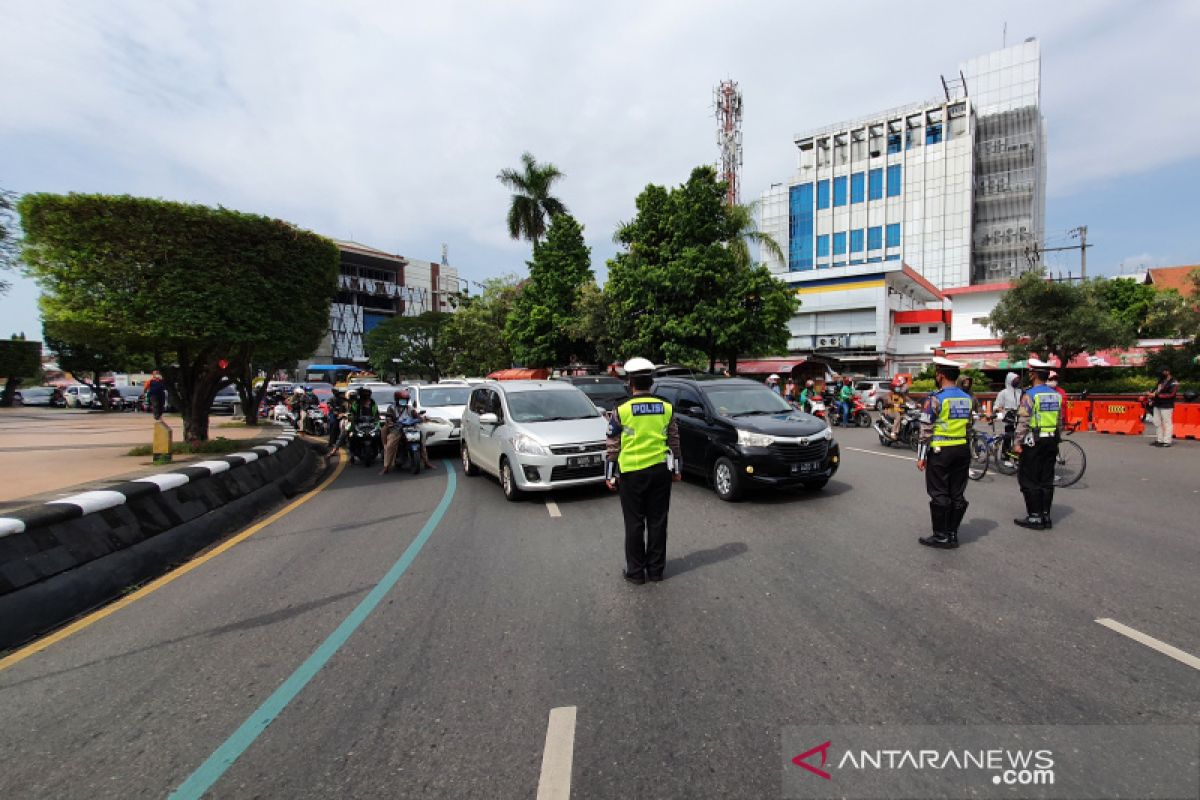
(67, 556)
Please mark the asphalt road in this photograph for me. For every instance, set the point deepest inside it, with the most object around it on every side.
(786, 609)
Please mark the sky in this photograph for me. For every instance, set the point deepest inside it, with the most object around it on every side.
(386, 123)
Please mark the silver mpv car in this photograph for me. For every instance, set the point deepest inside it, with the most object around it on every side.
(533, 435)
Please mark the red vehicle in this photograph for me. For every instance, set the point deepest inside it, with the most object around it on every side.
(858, 413)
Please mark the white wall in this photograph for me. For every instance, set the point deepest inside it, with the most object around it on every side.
(965, 309)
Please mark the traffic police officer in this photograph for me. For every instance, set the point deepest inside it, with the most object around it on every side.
(643, 459)
(1039, 426)
(943, 454)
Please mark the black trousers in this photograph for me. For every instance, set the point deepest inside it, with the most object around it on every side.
(947, 471)
(645, 503)
(1035, 475)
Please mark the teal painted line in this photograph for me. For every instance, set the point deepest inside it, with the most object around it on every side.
(231, 750)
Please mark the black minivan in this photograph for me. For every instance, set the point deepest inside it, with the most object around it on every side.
(737, 432)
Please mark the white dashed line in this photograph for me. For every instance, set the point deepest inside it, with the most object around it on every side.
(1154, 644)
(877, 453)
(552, 507)
(555, 782)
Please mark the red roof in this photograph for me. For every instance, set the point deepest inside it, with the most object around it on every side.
(981, 287)
(766, 366)
(918, 279)
(1177, 278)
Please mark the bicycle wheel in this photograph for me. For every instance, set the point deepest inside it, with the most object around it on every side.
(1006, 462)
(1070, 464)
(980, 453)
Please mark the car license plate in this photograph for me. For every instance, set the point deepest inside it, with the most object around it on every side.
(804, 469)
(583, 461)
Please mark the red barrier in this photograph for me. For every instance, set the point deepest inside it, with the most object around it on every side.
(1117, 416)
(1079, 412)
(1186, 420)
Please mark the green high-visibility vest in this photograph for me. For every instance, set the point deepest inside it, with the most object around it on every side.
(954, 415)
(1047, 405)
(644, 420)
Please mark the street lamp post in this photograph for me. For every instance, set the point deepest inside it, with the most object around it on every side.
(396, 361)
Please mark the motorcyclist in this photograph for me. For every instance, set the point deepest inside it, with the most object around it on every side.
(398, 413)
(807, 394)
(900, 402)
(297, 404)
(358, 403)
(337, 407)
(845, 398)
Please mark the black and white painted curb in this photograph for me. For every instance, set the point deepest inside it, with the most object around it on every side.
(78, 505)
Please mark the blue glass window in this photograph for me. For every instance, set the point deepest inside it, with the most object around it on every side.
(933, 133)
(875, 238)
(893, 235)
(874, 260)
(822, 194)
(822, 246)
(893, 143)
(839, 263)
(839, 191)
(854, 261)
(856, 187)
(800, 227)
(856, 240)
(892, 257)
(875, 184)
(911, 138)
(893, 180)
(839, 244)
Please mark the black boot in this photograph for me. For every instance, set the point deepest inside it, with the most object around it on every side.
(1047, 502)
(956, 518)
(1032, 521)
(1033, 510)
(940, 518)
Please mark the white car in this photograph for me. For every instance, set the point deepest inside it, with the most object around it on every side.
(78, 396)
(443, 405)
(533, 435)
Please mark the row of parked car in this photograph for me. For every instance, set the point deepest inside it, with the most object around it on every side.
(81, 396)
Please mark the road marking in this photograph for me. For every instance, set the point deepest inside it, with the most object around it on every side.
(552, 507)
(1154, 644)
(555, 783)
(877, 453)
(232, 748)
(85, 622)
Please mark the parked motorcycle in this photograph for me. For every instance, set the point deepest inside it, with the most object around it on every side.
(910, 428)
(365, 444)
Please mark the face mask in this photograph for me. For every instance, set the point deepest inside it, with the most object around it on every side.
(1052, 384)
(403, 404)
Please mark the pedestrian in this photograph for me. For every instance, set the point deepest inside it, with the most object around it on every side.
(156, 393)
(790, 391)
(967, 384)
(1039, 427)
(1005, 407)
(773, 383)
(1053, 384)
(643, 458)
(1163, 400)
(943, 454)
(845, 397)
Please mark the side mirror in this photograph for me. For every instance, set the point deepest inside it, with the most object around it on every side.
(692, 410)
(489, 419)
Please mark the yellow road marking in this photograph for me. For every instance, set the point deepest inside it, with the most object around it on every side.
(39, 645)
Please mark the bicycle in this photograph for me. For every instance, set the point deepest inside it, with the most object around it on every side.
(1069, 464)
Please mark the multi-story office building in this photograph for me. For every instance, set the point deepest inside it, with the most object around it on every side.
(950, 191)
(375, 286)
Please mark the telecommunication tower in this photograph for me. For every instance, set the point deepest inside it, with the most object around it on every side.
(727, 101)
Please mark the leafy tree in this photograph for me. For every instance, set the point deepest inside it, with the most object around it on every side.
(745, 220)
(591, 325)
(19, 360)
(89, 351)
(1055, 318)
(415, 341)
(473, 336)
(8, 238)
(1148, 312)
(683, 290)
(201, 289)
(546, 312)
(532, 201)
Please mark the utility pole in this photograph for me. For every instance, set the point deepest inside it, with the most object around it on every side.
(1082, 252)
(1079, 233)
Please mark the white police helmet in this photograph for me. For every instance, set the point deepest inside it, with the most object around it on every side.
(639, 366)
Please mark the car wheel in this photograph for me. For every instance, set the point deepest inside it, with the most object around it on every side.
(815, 485)
(469, 468)
(508, 483)
(726, 481)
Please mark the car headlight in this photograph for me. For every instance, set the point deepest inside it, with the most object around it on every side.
(529, 446)
(748, 439)
(825, 434)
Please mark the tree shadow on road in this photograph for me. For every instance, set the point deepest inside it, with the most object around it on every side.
(703, 558)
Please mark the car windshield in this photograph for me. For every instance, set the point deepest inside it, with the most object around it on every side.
(744, 401)
(603, 391)
(445, 396)
(549, 406)
(35, 392)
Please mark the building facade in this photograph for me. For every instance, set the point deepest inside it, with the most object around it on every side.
(375, 286)
(949, 191)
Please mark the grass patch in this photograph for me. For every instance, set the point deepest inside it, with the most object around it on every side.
(217, 446)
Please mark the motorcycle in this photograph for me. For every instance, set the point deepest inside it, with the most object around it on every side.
(364, 441)
(910, 428)
(859, 415)
(315, 423)
(412, 443)
(816, 407)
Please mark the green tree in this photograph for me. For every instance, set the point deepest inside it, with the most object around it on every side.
(683, 289)
(415, 341)
(19, 361)
(745, 220)
(591, 325)
(532, 201)
(199, 288)
(8, 237)
(473, 336)
(1148, 312)
(1056, 318)
(546, 312)
(88, 351)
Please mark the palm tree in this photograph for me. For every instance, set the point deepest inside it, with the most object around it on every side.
(744, 220)
(532, 202)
